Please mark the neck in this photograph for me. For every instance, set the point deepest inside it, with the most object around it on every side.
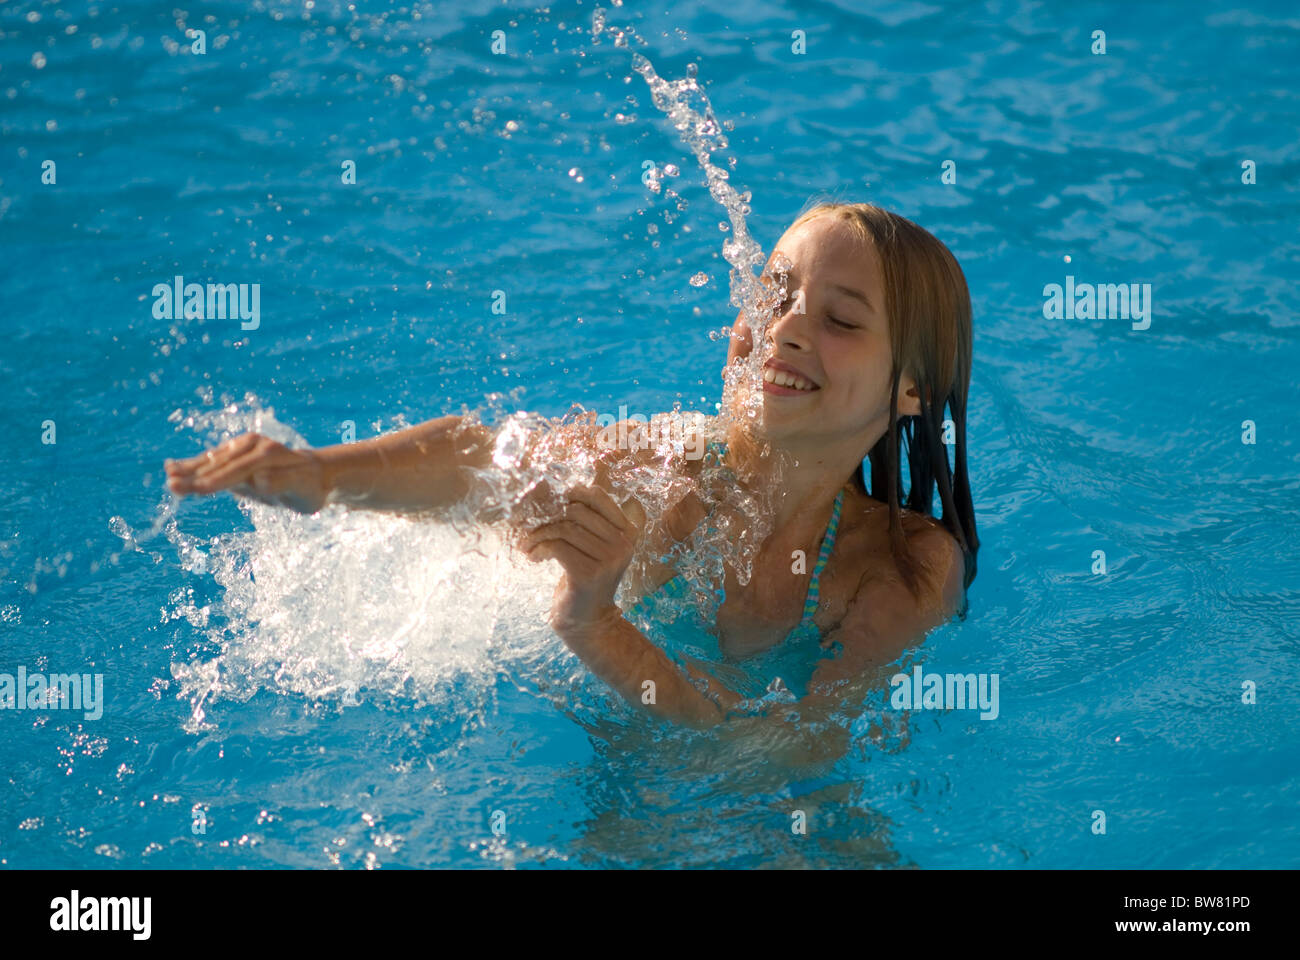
(805, 482)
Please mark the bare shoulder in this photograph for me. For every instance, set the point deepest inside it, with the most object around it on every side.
(882, 617)
(941, 557)
(937, 556)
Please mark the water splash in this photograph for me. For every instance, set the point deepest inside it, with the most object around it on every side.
(349, 603)
(685, 103)
(347, 606)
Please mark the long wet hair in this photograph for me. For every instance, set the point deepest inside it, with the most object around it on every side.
(929, 311)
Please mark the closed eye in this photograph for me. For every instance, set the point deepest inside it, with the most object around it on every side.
(842, 324)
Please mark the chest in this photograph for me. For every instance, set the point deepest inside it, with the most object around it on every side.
(759, 615)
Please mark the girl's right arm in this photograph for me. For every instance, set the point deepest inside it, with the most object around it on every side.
(419, 468)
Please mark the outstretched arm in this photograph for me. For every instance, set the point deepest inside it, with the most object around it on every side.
(425, 467)
(419, 468)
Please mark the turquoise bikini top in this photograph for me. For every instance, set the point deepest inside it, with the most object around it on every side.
(790, 656)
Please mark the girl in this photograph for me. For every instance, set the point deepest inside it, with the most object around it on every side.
(869, 340)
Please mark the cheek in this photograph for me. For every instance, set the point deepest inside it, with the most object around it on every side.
(741, 341)
(860, 380)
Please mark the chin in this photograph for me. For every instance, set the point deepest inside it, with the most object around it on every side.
(781, 424)
(781, 409)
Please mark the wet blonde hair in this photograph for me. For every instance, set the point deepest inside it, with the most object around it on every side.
(929, 313)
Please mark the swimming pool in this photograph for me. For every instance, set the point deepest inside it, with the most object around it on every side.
(361, 692)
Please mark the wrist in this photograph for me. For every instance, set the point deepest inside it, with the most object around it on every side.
(327, 472)
(338, 473)
(586, 622)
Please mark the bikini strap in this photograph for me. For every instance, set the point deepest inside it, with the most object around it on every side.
(828, 544)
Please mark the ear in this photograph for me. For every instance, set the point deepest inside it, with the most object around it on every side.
(909, 400)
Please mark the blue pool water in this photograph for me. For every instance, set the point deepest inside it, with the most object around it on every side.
(360, 691)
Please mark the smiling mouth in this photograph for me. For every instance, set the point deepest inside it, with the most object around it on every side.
(791, 381)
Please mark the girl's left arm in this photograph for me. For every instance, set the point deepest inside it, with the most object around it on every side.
(594, 541)
(623, 657)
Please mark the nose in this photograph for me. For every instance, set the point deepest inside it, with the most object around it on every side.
(787, 328)
(790, 328)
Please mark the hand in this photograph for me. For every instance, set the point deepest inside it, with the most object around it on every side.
(593, 542)
(255, 466)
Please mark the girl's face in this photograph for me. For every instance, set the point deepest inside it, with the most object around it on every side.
(827, 357)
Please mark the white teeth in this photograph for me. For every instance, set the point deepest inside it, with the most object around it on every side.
(783, 379)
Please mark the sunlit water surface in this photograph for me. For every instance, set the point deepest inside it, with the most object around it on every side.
(365, 691)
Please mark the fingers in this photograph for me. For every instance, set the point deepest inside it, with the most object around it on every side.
(593, 521)
(572, 535)
(594, 539)
(597, 501)
(222, 474)
(182, 474)
(232, 447)
(255, 467)
(570, 557)
(228, 465)
(235, 446)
